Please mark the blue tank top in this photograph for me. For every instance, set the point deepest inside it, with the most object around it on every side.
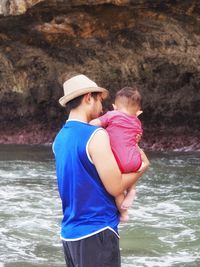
(87, 207)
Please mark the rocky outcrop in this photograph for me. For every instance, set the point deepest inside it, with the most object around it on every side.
(116, 43)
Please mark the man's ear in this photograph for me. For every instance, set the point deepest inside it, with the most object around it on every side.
(87, 97)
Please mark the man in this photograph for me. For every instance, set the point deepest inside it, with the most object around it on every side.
(88, 179)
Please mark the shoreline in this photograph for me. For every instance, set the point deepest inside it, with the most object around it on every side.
(176, 139)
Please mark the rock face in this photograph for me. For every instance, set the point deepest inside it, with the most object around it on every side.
(116, 43)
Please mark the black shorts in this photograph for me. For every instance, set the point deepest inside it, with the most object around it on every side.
(99, 250)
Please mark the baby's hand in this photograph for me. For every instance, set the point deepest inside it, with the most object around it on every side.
(139, 112)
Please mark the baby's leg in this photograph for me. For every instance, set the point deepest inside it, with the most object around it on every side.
(123, 212)
(141, 167)
(128, 200)
(130, 196)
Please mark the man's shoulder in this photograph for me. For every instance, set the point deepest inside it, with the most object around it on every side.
(100, 133)
(99, 137)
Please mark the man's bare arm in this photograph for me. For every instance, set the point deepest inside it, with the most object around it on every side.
(106, 165)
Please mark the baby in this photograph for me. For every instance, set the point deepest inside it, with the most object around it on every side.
(125, 129)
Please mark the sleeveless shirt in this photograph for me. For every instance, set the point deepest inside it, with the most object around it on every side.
(87, 207)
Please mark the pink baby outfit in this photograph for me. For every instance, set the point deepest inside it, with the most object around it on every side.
(123, 129)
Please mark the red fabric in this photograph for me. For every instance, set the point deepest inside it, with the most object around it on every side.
(123, 129)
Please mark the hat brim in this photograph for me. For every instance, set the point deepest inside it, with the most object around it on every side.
(65, 99)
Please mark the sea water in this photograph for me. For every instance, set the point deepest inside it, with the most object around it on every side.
(164, 225)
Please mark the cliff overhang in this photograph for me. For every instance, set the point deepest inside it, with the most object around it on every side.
(116, 43)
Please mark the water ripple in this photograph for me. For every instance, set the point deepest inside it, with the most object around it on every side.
(163, 229)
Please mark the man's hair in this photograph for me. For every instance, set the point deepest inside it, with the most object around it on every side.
(74, 103)
(131, 95)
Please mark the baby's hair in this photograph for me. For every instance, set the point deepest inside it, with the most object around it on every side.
(131, 95)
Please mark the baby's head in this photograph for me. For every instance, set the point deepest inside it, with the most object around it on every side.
(128, 98)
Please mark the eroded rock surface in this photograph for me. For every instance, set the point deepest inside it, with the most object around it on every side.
(116, 43)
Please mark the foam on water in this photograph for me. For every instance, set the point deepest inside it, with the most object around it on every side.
(182, 259)
(163, 229)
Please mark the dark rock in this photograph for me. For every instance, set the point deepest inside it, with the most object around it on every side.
(116, 43)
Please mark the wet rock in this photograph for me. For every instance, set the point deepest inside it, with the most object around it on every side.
(116, 43)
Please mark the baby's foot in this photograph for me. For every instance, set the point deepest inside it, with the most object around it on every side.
(128, 201)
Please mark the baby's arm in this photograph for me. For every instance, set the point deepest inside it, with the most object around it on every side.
(101, 121)
(96, 122)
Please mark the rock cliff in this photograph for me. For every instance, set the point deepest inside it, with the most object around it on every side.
(115, 43)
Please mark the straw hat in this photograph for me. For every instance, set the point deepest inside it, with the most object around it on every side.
(79, 85)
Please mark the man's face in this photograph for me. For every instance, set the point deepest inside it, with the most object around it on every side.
(96, 108)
